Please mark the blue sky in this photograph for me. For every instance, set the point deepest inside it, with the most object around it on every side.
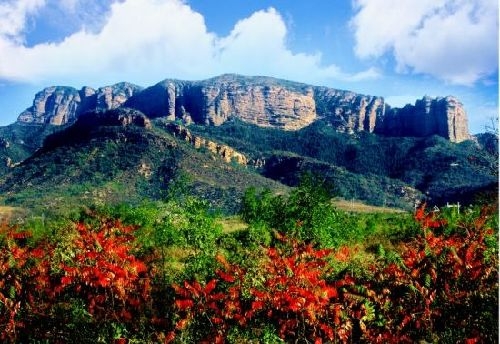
(398, 49)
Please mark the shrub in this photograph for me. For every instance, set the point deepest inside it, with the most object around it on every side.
(307, 214)
(287, 291)
(440, 288)
(445, 286)
(73, 289)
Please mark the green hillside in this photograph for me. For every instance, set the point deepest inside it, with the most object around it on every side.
(114, 164)
(365, 166)
(100, 160)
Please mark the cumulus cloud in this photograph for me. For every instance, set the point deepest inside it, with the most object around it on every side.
(453, 40)
(13, 17)
(257, 45)
(171, 41)
(172, 38)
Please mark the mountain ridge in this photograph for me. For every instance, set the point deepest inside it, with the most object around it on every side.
(260, 100)
(126, 143)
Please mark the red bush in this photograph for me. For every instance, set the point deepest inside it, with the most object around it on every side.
(292, 293)
(438, 283)
(105, 272)
(99, 269)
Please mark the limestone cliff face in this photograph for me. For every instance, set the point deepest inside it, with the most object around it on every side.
(265, 105)
(54, 105)
(445, 117)
(258, 100)
(263, 101)
(60, 105)
(112, 97)
(227, 153)
(348, 111)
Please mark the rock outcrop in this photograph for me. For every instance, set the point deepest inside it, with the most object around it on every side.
(445, 117)
(257, 100)
(287, 105)
(348, 111)
(53, 105)
(112, 97)
(227, 153)
(262, 101)
(59, 105)
(116, 117)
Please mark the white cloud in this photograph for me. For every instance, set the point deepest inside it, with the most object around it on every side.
(13, 17)
(144, 41)
(257, 46)
(453, 40)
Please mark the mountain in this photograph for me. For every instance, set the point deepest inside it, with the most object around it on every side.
(124, 143)
(263, 101)
(121, 156)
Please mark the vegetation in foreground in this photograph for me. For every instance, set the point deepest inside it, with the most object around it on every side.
(299, 271)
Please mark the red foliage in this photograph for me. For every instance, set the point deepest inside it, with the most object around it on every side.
(437, 283)
(438, 278)
(103, 272)
(294, 296)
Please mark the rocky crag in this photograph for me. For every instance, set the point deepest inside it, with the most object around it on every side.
(60, 105)
(443, 116)
(263, 101)
(227, 153)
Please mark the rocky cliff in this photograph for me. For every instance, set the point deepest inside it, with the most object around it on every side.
(445, 117)
(258, 100)
(348, 111)
(262, 101)
(60, 105)
(227, 153)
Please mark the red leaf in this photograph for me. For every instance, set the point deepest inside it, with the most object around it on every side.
(210, 286)
(184, 304)
(330, 292)
(217, 321)
(81, 227)
(38, 252)
(126, 315)
(194, 288)
(225, 276)
(138, 267)
(181, 291)
(181, 324)
(258, 294)
(66, 280)
(257, 305)
(327, 330)
(21, 235)
(169, 337)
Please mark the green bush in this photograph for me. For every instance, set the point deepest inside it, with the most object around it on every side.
(306, 214)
